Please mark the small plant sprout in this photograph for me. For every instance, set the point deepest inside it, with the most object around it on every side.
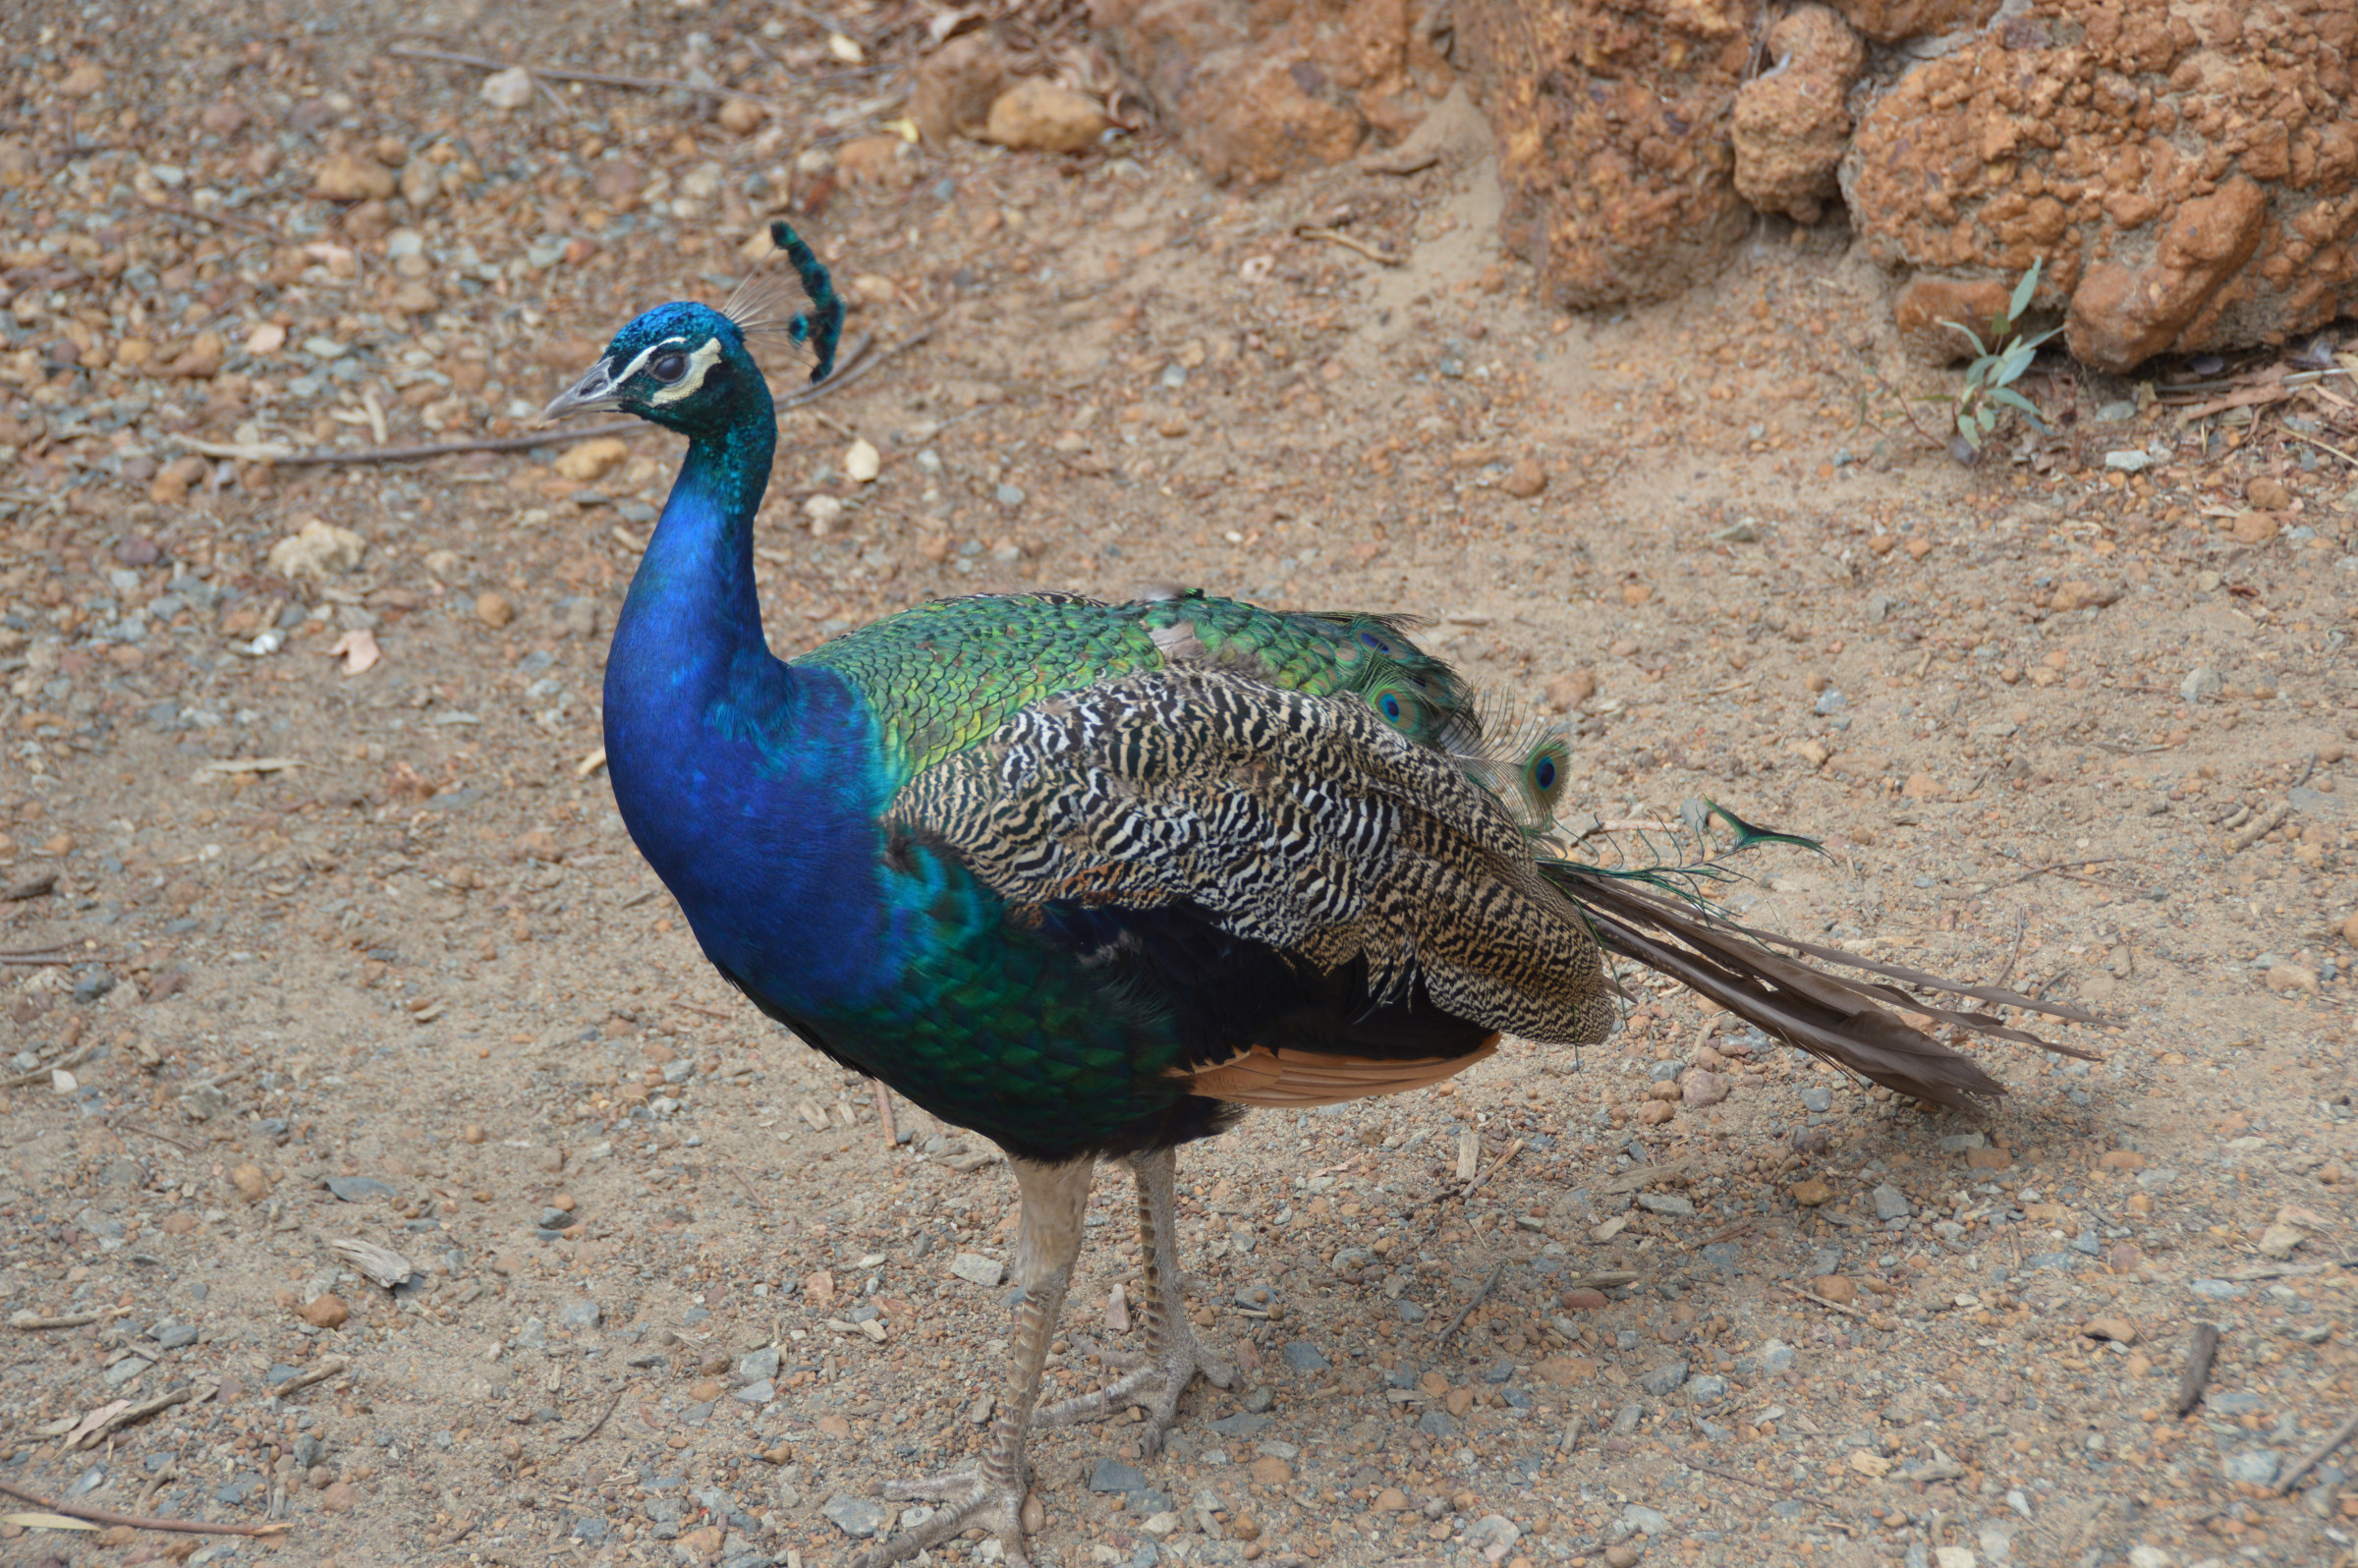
(1988, 394)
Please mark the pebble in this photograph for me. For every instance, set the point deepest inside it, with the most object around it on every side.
(1890, 1203)
(324, 1312)
(1818, 1098)
(977, 1270)
(591, 459)
(1835, 1288)
(861, 463)
(1037, 115)
(1663, 1379)
(511, 88)
(857, 1517)
(1666, 1203)
(1621, 1555)
(583, 1313)
(1303, 1357)
(1811, 1193)
(494, 610)
(2119, 1330)
(251, 1183)
(1698, 1088)
(2255, 1467)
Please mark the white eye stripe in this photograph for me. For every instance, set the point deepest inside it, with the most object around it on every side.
(646, 354)
(702, 360)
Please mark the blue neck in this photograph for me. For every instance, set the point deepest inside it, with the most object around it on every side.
(694, 595)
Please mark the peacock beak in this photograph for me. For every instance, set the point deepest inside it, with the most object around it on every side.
(596, 390)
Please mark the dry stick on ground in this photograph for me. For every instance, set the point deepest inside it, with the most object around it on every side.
(600, 1424)
(40, 1074)
(179, 209)
(134, 1127)
(2315, 1456)
(1815, 1299)
(859, 362)
(1466, 1191)
(892, 1137)
(2057, 865)
(100, 1516)
(2022, 928)
(1349, 243)
(1479, 1296)
(603, 78)
(32, 956)
(2198, 1366)
(330, 1367)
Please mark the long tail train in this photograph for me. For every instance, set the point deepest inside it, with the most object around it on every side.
(1844, 1021)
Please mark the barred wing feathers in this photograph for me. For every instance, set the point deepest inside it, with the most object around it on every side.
(1302, 827)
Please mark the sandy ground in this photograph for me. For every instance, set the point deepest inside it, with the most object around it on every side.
(366, 956)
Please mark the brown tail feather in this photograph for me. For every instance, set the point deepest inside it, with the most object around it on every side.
(1837, 1018)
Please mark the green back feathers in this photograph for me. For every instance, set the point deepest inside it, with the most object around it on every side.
(943, 675)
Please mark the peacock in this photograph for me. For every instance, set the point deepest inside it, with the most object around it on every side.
(1091, 880)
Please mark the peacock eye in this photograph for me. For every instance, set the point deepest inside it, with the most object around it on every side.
(668, 366)
(1375, 642)
(1544, 774)
(1391, 706)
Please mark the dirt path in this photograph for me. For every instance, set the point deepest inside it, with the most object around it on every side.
(675, 1300)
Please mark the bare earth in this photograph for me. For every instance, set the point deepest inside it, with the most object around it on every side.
(674, 1298)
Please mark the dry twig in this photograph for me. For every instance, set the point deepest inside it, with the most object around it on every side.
(603, 78)
(1815, 1299)
(600, 1424)
(1479, 1296)
(2315, 1456)
(181, 209)
(1348, 243)
(330, 1367)
(100, 1516)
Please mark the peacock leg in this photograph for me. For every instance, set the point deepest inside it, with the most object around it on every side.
(1173, 1354)
(991, 1492)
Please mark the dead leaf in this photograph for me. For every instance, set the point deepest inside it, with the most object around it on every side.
(360, 651)
(95, 1420)
(46, 1521)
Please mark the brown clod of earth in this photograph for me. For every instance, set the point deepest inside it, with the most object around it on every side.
(1792, 124)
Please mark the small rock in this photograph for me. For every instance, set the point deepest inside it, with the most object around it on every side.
(1303, 1357)
(2279, 1240)
(354, 177)
(856, 1517)
(581, 1314)
(1698, 1087)
(2201, 685)
(251, 1183)
(1818, 1099)
(494, 610)
(2254, 528)
(1270, 1471)
(824, 512)
(861, 464)
(1835, 1288)
(1809, 1194)
(2119, 1330)
(1621, 1555)
(325, 1312)
(1038, 115)
(1777, 1356)
(360, 1189)
(1524, 480)
(2255, 1467)
(1390, 1500)
(1663, 1379)
(317, 550)
(1583, 1298)
(1890, 1203)
(266, 339)
(2283, 976)
(591, 459)
(339, 1497)
(977, 1270)
(507, 90)
(1666, 1203)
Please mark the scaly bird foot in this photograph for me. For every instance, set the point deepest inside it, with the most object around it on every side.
(967, 1499)
(1157, 1383)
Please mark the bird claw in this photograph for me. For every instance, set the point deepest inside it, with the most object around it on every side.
(968, 1498)
(1157, 1383)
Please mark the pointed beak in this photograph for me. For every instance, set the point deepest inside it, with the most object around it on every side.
(596, 390)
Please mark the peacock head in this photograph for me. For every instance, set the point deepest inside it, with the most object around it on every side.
(683, 365)
(686, 366)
